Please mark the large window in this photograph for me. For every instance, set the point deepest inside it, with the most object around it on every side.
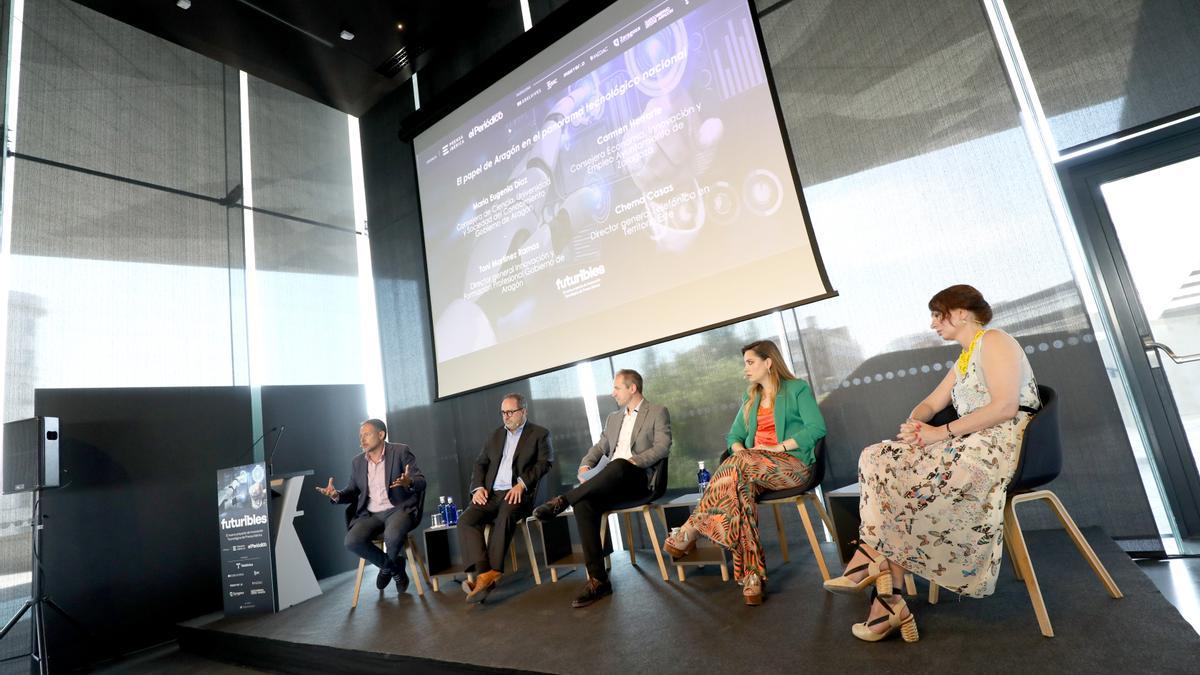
(128, 260)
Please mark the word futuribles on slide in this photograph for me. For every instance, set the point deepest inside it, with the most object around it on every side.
(584, 274)
(244, 521)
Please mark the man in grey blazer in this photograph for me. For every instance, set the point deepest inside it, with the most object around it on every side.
(634, 439)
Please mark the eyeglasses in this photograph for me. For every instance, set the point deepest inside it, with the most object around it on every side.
(510, 413)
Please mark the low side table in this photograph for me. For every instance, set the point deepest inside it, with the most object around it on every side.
(442, 555)
(843, 510)
(559, 551)
(705, 553)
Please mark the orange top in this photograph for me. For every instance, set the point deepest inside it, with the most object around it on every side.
(765, 434)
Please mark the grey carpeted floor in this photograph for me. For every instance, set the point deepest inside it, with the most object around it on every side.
(701, 624)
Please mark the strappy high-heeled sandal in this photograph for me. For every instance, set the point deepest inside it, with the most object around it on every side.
(678, 544)
(753, 589)
(847, 586)
(906, 624)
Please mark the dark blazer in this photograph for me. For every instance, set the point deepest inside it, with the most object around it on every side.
(396, 456)
(530, 462)
(650, 442)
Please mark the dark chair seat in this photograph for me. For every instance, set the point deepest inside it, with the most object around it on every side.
(782, 494)
(658, 482)
(658, 487)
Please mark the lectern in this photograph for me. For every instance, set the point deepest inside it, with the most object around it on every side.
(294, 578)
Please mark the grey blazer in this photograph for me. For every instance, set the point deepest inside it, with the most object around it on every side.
(651, 440)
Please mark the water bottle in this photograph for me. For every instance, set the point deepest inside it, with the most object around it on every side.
(442, 509)
(702, 478)
(451, 512)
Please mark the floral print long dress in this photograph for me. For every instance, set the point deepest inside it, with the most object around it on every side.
(939, 510)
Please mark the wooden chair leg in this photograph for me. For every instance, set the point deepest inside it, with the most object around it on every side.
(1026, 566)
(816, 501)
(812, 538)
(604, 538)
(627, 522)
(933, 593)
(1012, 556)
(1085, 549)
(415, 565)
(424, 566)
(910, 585)
(662, 517)
(783, 549)
(658, 554)
(433, 583)
(537, 575)
(680, 573)
(512, 554)
(553, 575)
(362, 564)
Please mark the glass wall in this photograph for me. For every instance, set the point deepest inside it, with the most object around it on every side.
(127, 265)
(699, 379)
(304, 240)
(1104, 66)
(933, 182)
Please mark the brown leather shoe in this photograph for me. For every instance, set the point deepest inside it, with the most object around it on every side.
(484, 584)
(753, 590)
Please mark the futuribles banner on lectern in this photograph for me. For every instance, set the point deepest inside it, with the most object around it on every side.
(630, 183)
(244, 521)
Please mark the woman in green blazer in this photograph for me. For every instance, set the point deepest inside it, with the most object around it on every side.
(771, 447)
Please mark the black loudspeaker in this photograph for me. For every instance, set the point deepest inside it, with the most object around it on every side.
(30, 454)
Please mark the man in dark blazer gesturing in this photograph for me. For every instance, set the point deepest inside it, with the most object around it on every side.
(386, 489)
(634, 439)
(513, 460)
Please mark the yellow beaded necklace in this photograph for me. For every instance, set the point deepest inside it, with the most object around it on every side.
(965, 358)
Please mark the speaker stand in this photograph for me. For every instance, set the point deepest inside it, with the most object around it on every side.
(37, 602)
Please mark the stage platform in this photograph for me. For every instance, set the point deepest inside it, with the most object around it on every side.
(701, 625)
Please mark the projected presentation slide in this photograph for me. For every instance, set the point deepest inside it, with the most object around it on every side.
(628, 184)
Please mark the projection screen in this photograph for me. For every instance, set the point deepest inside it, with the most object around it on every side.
(629, 184)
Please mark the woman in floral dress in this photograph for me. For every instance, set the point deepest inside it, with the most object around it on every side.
(933, 500)
(771, 446)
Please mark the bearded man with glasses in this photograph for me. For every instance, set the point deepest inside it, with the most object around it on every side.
(503, 484)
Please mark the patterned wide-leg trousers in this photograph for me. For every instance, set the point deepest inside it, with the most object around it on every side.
(728, 514)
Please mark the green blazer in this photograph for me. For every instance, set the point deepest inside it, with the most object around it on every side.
(796, 417)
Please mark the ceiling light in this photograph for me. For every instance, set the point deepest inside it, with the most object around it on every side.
(399, 26)
(346, 35)
(183, 4)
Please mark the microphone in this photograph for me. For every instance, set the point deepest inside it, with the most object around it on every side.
(271, 455)
(250, 450)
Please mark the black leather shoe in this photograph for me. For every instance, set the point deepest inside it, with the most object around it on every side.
(592, 591)
(384, 578)
(401, 577)
(551, 509)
